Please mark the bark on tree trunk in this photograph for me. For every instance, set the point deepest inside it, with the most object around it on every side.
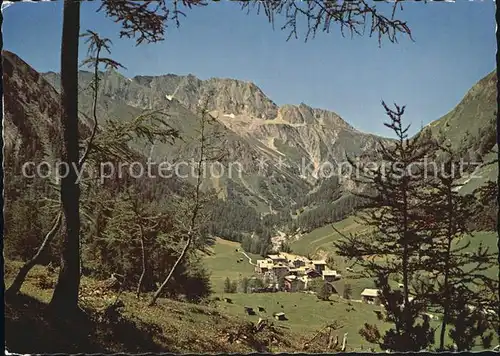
(497, 15)
(1, 110)
(65, 295)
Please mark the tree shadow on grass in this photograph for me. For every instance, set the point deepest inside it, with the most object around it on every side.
(31, 327)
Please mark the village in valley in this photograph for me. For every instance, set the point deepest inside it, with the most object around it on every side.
(295, 271)
(291, 273)
(288, 272)
(285, 274)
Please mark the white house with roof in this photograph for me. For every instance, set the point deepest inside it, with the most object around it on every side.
(264, 266)
(329, 275)
(278, 258)
(298, 262)
(319, 265)
(370, 296)
(297, 270)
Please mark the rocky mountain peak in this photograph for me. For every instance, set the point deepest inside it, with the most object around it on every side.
(230, 97)
(303, 114)
(221, 94)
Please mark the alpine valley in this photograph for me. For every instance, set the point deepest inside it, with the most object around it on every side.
(279, 187)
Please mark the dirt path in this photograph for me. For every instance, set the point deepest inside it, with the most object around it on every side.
(249, 259)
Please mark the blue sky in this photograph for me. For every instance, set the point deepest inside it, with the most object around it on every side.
(454, 47)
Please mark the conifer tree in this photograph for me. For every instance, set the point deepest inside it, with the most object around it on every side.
(458, 271)
(394, 191)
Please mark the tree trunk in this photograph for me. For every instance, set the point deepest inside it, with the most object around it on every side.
(1, 92)
(497, 15)
(65, 295)
(194, 214)
(165, 282)
(405, 258)
(447, 297)
(143, 256)
(23, 272)
(1, 108)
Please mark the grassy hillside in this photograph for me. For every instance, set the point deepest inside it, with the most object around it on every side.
(305, 312)
(174, 326)
(222, 263)
(481, 175)
(488, 239)
(170, 326)
(320, 241)
(473, 118)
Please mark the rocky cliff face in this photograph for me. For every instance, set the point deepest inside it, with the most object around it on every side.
(226, 95)
(243, 108)
(31, 114)
(288, 145)
(31, 106)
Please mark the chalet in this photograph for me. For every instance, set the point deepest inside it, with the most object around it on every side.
(370, 296)
(304, 279)
(319, 265)
(278, 259)
(331, 288)
(330, 275)
(380, 314)
(297, 271)
(269, 277)
(293, 283)
(263, 266)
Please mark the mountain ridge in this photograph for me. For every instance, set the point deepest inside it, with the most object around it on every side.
(287, 138)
